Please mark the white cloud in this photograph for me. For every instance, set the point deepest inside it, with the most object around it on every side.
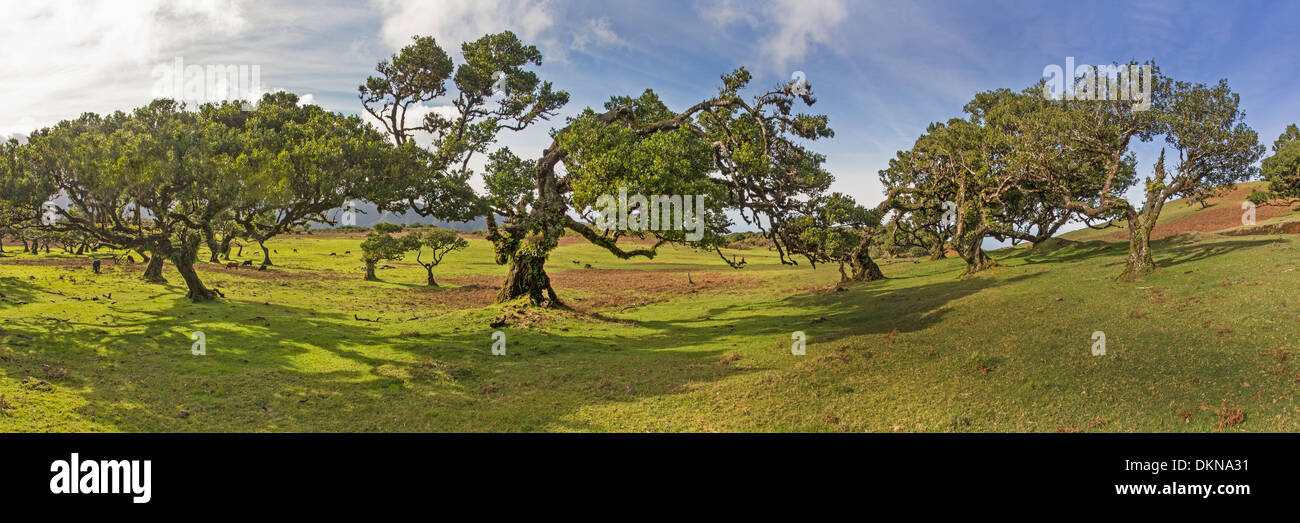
(790, 28)
(725, 13)
(598, 32)
(415, 116)
(452, 22)
(800, 25)
(57, 56)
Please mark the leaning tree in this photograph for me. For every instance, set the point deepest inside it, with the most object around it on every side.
(740, 155)
(148, 181)
(1215, 148)
(726, 152)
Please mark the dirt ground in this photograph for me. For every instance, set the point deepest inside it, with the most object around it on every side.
(1223, 213)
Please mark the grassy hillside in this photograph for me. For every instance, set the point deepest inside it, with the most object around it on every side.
(1221, 213)
(1204, 344)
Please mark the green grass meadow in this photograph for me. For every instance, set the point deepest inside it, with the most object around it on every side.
(1205, 344)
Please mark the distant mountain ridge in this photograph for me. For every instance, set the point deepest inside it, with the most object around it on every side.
(368, 215)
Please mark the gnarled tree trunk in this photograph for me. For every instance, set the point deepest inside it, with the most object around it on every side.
(527, 277)
(225, 246)
(210, 238)
(864, 268)
(153, 271)
(184, 256)
(938, 252)
(197, 292)
(266, 253)
(1140, 262)
(976, 259)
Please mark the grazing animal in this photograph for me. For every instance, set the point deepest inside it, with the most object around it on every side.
(232, 265)
(248, 263)
(575, 262)
(333, 254)
(347, 252)
(95, 266)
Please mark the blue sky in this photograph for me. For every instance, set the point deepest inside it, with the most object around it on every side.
(882, 71)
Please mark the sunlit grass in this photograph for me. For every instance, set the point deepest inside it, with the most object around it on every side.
(309, 346)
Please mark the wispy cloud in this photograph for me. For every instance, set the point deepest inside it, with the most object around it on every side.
(452, 22)
(789, 29)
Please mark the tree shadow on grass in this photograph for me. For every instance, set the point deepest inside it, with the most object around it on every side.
(1066, 253)
(870, 308)
(16, 291)
(274, 367)
(1169, 254)
(282, 368)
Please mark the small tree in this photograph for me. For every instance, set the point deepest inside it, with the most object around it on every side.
(382, 246)
(439, 242)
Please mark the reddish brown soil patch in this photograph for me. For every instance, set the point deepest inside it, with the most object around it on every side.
(273, 272)
(602, 289)
(628, 288)
(469, 292)
(1223, 213)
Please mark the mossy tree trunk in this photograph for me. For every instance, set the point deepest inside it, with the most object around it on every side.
(266, 253)
(214, 246)
(938, 252)
(183, 256)
(153, 270)
(1140, 261)
(976, 259)
(864, 268)
(527, 277)
(225, 246)
(197, 292)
